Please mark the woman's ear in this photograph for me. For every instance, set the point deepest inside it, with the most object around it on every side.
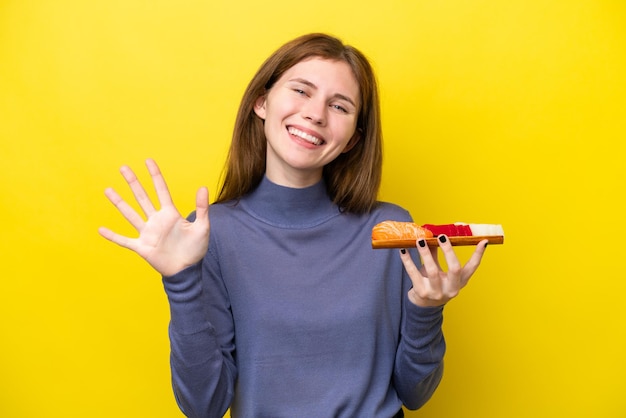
(259, 107)
(356, 137)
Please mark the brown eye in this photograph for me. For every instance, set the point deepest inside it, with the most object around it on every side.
(340, 108)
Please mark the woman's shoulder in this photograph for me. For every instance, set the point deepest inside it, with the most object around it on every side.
(387, 211)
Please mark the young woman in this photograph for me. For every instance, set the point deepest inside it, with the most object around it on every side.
(279, 306)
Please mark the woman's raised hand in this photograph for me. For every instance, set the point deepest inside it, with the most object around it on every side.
(431, 285)
(167, 241)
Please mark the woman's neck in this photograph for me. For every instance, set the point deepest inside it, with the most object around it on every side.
(289, 206)
(297, 179)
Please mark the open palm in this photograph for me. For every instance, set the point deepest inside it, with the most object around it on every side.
(167, 241)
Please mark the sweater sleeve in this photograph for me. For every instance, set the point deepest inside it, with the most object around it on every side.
(419, 358)
(201, 335)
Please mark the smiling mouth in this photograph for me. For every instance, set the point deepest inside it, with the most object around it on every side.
(305, 136)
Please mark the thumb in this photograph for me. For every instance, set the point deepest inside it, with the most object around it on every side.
(202, 204)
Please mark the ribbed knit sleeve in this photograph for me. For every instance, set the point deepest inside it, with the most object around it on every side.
(201, 339)
(419, 358)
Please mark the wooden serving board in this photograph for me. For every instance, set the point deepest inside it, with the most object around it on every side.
(432, 242)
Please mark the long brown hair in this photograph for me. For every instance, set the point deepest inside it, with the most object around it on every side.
(353, 178)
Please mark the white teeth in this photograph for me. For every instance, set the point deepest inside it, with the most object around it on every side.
(307, 137)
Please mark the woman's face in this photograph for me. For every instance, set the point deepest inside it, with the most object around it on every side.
(310, 117)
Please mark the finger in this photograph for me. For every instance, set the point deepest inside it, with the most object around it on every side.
(202, 204)
(451, 280)
(474, 261)
(410, 267)
(452, 261)
(430, 262)
(138, 191)
(425, 292)
(118, 239)
(160, 186)
(125, 209)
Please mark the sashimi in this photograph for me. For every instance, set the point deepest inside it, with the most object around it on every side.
(396, 234)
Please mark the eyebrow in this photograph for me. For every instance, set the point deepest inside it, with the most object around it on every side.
(310, 84)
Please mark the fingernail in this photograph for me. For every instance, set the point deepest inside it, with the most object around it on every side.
(442, 239)
(422, 242)
(403, 251)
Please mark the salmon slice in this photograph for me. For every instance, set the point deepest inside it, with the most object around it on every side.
(387, 230)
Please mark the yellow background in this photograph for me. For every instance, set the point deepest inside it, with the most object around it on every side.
(507, 112)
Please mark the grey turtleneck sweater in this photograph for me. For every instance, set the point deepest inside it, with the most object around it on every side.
(291, 313)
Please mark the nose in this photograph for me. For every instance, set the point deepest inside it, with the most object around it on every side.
(315, 112)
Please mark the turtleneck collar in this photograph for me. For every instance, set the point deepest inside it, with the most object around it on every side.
(288, 207)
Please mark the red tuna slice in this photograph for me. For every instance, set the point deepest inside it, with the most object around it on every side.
(451, 230)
